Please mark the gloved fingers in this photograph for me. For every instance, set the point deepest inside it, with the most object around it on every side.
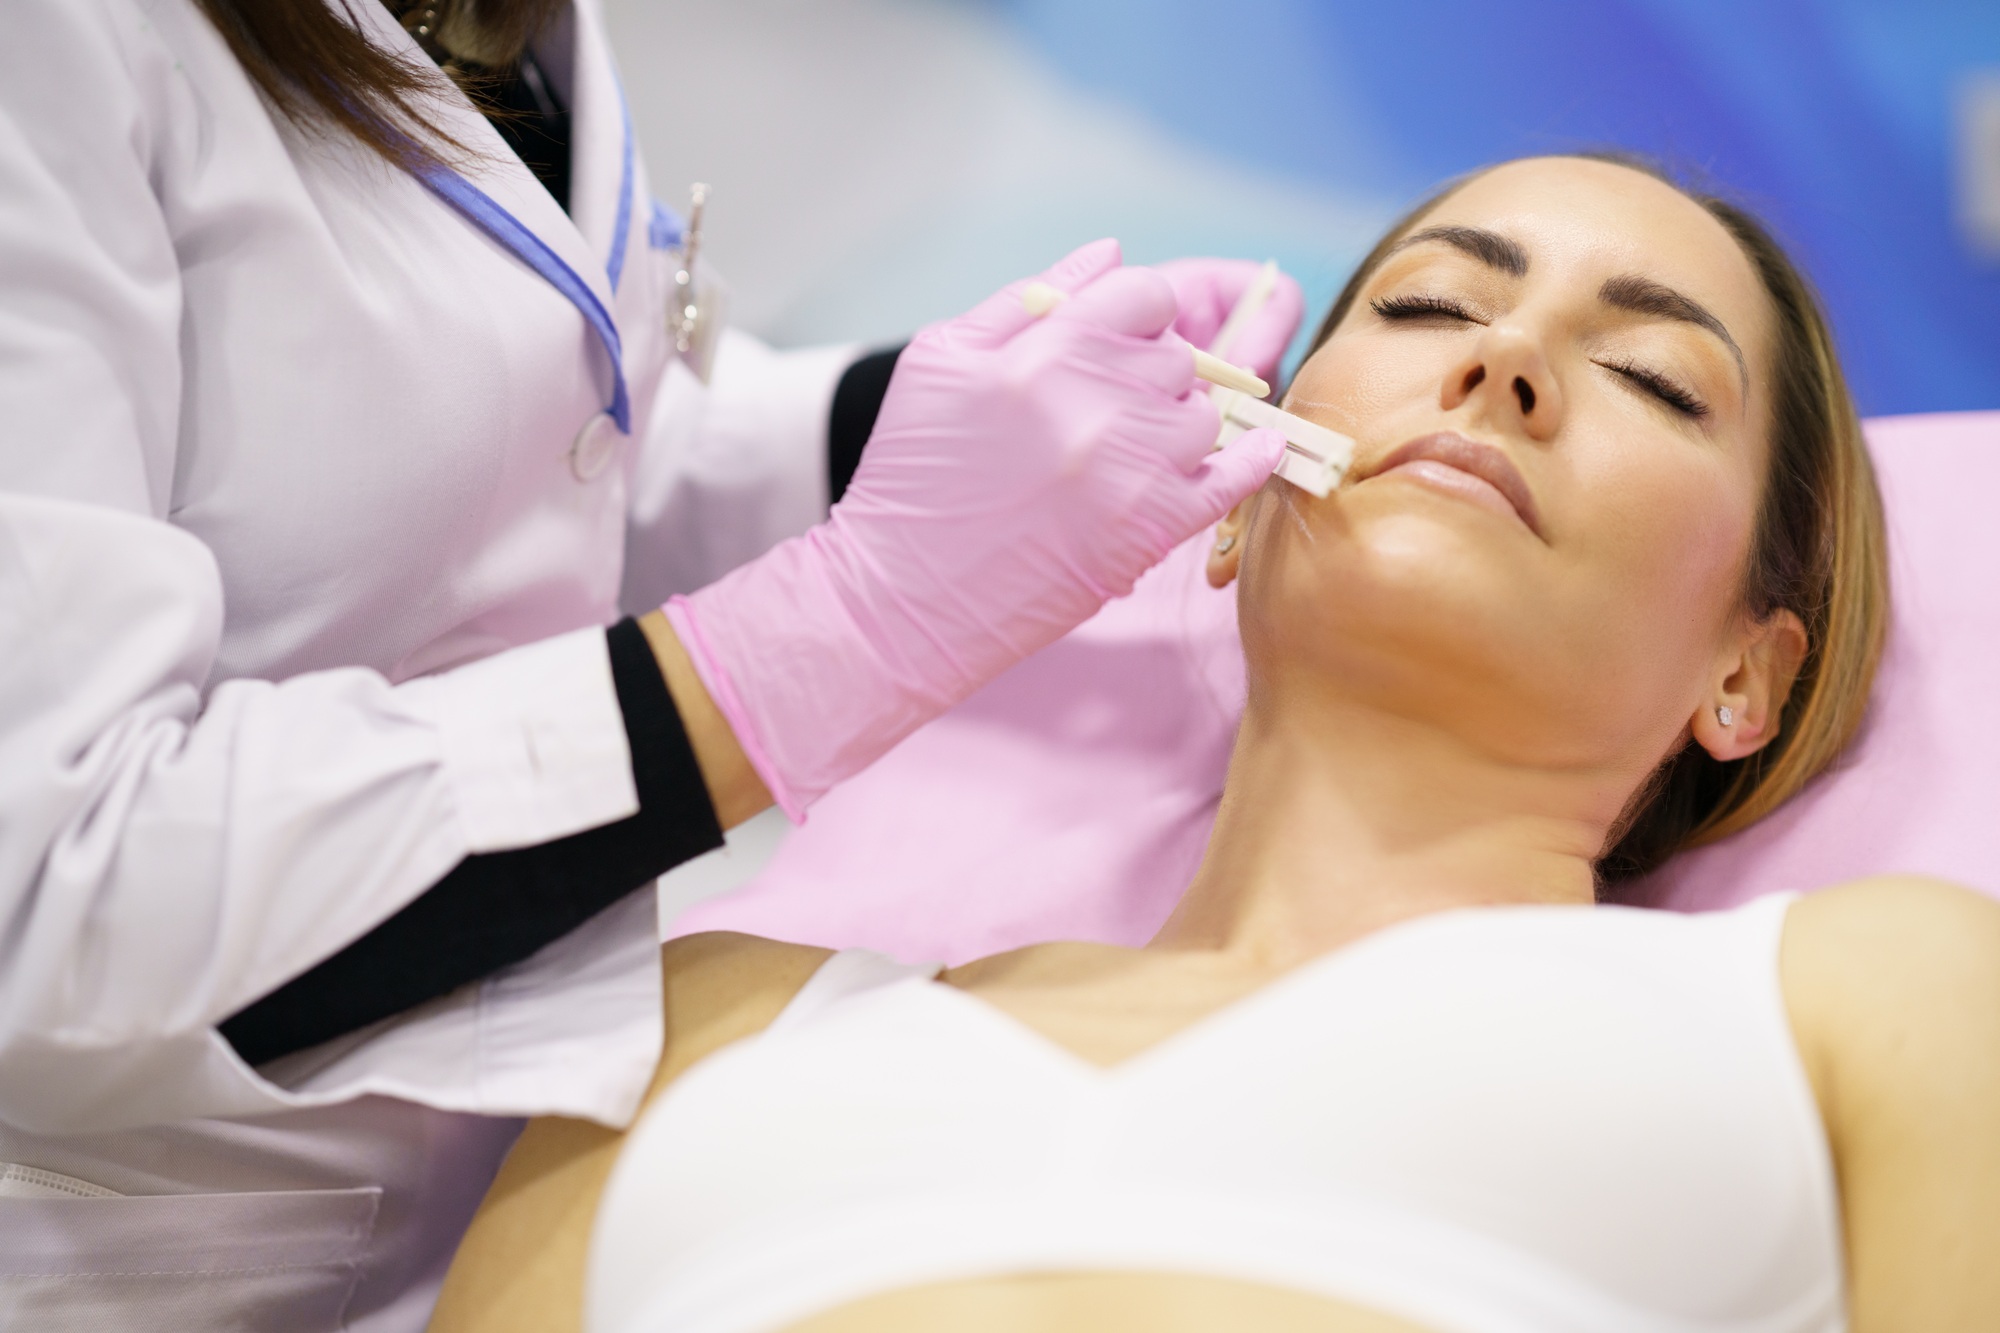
(1136, 302)
(1233, 473)
(1163, 364)
(1085, 265)
(1001, 315)
(1208, 290)
(1134, 431)
(1261, 343)
(1184, 434)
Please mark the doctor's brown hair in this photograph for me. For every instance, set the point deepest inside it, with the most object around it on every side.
(1819, 551)
(312, 61)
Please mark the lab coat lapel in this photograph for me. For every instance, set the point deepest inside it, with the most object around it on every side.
(603, 166)
(494, 168)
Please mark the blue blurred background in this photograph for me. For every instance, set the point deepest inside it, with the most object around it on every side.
(879, 163)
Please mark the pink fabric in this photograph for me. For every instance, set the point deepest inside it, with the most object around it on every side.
(1071, 798)
(1920, 791)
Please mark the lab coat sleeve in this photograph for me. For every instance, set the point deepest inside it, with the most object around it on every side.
(172, 848)
(169, 856)
(728, 470)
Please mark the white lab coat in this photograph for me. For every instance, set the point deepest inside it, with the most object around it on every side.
(310, 518)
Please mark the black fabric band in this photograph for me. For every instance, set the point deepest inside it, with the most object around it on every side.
(856, 403)
(497, 908)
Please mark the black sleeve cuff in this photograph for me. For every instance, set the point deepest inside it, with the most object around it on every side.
(497, 908)
(856, 403)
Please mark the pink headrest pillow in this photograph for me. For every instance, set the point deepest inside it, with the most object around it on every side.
(1071, 799)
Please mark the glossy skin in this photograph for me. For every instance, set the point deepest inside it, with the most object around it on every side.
(1450, 707)
(1597, 642)
(1458, 704)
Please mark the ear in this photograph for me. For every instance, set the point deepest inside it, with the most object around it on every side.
(1753, 679)
(1225, 557)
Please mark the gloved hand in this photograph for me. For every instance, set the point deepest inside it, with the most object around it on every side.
(1021, 473)
(1207, 289)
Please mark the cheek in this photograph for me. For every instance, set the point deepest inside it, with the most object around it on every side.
(1389, 599)
(1589, 651)
(1658, 551)
(1672, 530)
(1357, 383)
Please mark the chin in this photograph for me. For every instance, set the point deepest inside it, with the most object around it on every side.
(1412, 610)
(1474, 572)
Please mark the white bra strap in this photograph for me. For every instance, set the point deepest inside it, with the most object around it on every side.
(849, 972)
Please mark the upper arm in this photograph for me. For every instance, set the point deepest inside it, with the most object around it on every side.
(522, 1263)
(1894, 991)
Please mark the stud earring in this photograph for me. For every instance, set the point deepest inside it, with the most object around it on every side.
(1725, 715)
(1224, 545)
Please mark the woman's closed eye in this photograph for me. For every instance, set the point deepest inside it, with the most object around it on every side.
(1416, 306)
(1673, 394)
(1424, 307)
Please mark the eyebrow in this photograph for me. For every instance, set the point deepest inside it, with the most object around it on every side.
(1643, 296)
(1488, 247)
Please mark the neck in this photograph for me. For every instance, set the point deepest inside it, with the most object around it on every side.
(1338, 820)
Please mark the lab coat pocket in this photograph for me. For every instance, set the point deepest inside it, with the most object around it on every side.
(282, 1260)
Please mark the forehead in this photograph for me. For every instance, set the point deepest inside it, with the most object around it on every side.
(1583, 221)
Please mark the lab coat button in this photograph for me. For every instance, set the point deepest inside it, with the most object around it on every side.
(594, 445)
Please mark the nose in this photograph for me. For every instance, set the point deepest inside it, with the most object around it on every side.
(1506, 379)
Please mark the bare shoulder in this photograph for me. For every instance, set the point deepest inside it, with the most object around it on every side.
(521, 1265)
(1919, 902)
(1891, 972)
(722, 987)
(1893, 987)
(1893, 945)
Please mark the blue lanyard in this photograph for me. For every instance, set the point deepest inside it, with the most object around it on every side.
(479, 208)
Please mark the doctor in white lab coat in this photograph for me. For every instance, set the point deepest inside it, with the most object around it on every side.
(326, 798)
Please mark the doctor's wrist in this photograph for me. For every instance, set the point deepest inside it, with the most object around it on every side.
(734, 788)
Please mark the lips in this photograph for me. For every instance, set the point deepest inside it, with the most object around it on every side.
(1482, 462)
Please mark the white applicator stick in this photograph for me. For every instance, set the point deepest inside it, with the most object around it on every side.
(1038, 298)
(1315, 458)
(1248, 306)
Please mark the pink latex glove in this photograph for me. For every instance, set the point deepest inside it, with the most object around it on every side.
(1206, 290)
(1021, 473)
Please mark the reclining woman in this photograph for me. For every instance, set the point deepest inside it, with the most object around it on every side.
(1607, 579)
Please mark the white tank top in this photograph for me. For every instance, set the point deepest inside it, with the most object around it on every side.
(1496, 1120)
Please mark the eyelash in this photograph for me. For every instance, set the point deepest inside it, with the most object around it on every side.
(1662, 388)
(1436, 307)
(1420, 307)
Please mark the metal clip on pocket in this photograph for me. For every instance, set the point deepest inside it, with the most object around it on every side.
(697, 308)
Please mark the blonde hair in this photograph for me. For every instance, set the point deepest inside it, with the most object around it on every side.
(1820, 551)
